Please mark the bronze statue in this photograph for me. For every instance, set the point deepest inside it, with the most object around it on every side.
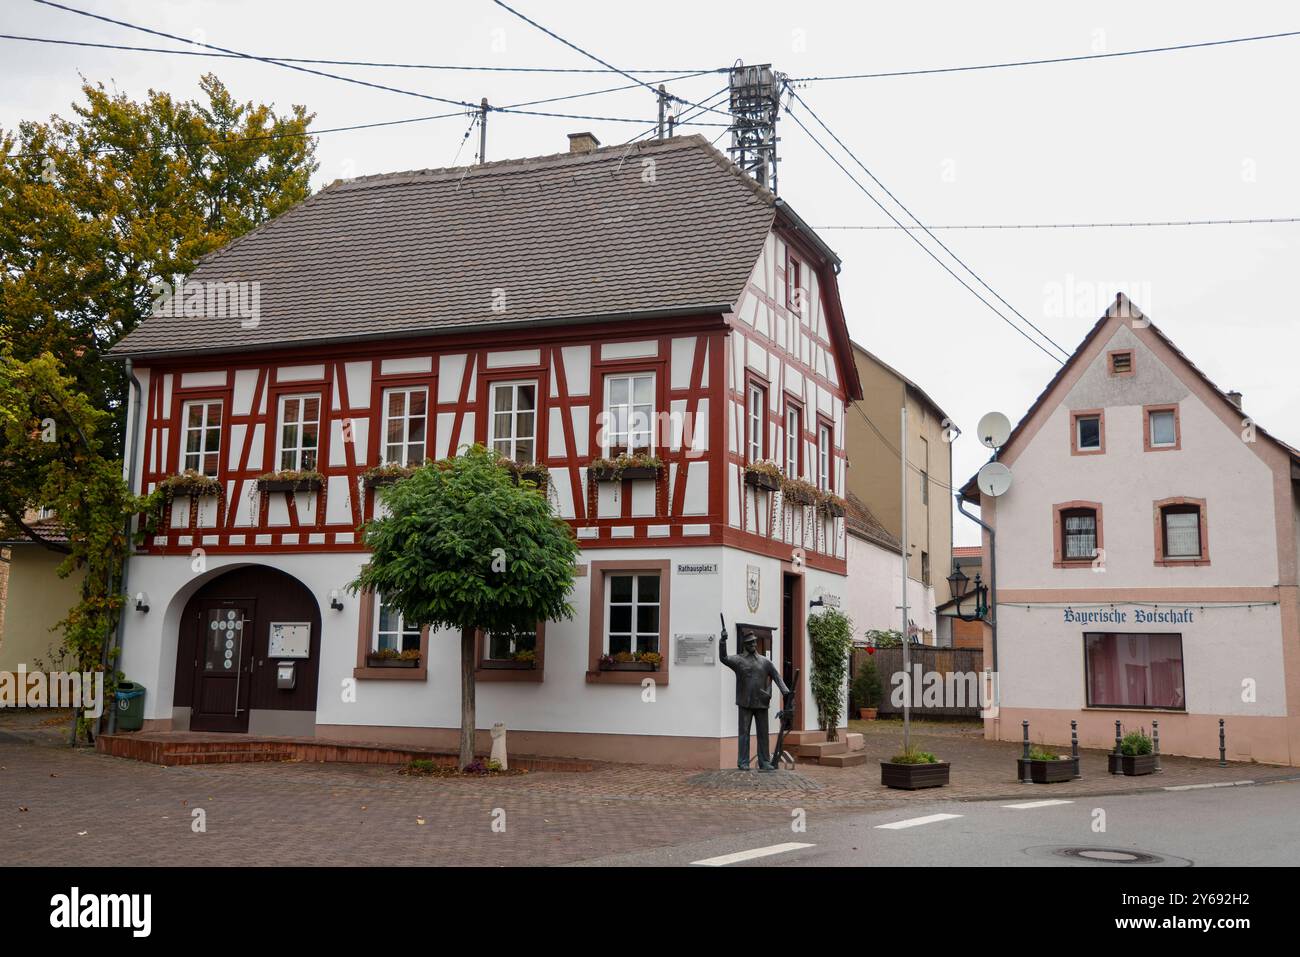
(754, 674)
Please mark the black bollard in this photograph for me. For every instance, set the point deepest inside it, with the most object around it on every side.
(1112, 760)
(1223, 747)
(1155, 744)
(1117, 737)
(1074, 746)
(1025, 777)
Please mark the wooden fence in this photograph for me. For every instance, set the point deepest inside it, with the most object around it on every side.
(961, 693)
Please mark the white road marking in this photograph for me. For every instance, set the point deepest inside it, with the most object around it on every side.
(1029, 804)
(739, 856)
(914, 821)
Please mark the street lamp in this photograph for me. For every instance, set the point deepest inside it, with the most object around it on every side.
(958, 584)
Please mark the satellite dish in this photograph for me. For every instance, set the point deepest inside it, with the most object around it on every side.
(994, 479)
(994, 429)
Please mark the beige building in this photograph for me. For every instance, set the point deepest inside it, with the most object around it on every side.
(873, 435)
(33, 599)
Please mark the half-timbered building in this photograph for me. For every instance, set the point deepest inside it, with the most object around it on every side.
(562, 310)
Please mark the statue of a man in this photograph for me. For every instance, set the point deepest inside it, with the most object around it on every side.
(754, 674)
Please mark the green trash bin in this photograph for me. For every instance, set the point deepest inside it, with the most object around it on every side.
(130, 706)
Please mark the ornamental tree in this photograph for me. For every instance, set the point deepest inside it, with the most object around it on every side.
(831, 634)
(466, 546)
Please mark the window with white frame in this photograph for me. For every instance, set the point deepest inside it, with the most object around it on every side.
(756, 422)
(299, 432)
(201, 436)
(392, 631)
(824, 458)
(1181, 525)
(514, 420)
(504, 645)
(632, 612)
(793, 439)
(629, 412)
(405, 426)
(1164, 428)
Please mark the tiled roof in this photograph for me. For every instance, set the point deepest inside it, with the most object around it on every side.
(663, 227)
(49, 529)
(859, 519)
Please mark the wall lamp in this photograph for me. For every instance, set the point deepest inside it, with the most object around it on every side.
(142, 602)
(334, 600)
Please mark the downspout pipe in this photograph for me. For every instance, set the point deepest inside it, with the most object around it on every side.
(131, 462)
(993, 573)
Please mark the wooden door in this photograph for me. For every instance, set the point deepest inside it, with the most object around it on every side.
(223, 664)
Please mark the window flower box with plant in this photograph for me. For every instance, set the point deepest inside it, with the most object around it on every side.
(291, 480)
(392, 658)
(189, 484)
(913, 770)
(631, 661)
(830, 506)
(1046, 767)
(534, 472)
(523, 660)
(638, 466)
(1136, 755)
(765, 475)
(798, 492)
(380, 475)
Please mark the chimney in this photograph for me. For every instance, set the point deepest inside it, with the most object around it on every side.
(1235, 398)
(582, 142)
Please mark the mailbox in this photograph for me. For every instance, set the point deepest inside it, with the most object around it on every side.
(285, 675)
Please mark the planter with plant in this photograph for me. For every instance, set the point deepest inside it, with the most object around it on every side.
(631, 661)
(1136, 755)
(912, 770)
(830, 506)
(190, 484)
(765, 475)
(865, 691)
(831, 636)
(291, 480)
(638, 466)
(392, 658)
(1046, 767)
(379, 475)
(798, 492)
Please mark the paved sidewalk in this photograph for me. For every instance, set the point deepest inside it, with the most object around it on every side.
(61, 806)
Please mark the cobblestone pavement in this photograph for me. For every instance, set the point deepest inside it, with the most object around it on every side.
(61, 806)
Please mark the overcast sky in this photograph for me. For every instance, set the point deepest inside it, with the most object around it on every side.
(1201, 134)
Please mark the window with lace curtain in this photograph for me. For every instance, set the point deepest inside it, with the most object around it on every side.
(1078, 534)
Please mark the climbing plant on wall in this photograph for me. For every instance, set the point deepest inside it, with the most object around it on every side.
(831, 634)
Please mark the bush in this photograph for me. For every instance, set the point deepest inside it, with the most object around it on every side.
(831, 635)
(1135, 743)
(914, 756)
(885, 638)
(1042, 754)
(866, 689)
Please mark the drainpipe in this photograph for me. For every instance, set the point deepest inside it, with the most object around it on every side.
(126, 559)
(993, 574)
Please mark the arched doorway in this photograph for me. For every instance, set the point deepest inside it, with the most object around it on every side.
(248, 652)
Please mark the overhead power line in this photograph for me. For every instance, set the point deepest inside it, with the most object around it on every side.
(369, 63)
(1040, 62)
(1115, 225)
(921, 226)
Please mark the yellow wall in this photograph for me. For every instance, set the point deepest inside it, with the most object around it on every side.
(873, 473)
(36, 598)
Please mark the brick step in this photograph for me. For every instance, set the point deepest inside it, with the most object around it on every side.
(855, 741)
(820, 749)
(796, 738)
(849, 759)
(241, 756)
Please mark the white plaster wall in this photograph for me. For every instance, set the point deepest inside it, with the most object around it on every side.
(1040, 658)
(875, 590)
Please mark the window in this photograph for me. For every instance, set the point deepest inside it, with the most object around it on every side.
(1134, 671)
(824, 458)
(925, 568)
(632, 613)
(925, 487)
(405, 426)
(299, 432)
(1078, 533)
(1121, 362)
(514, 420)
(393, 631)
(794, 285)
(793, 439)
(201, 439)
(629, 412)
(504, 645)
(1180, 531)
(1161, 430)
(756, 423)
(1088, 434)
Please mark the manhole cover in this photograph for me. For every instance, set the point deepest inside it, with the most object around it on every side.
(1108, 855)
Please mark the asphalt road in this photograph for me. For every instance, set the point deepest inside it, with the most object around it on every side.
(1257, 825)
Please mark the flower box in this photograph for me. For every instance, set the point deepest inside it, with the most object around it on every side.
(834, 508)
(868, 714)
(1132, 764)
(375, 661)
(1046, 772)
(764, 480)
(797, 492)
(380, 479)
(602, 473)
(506, 664)
(913, 777)
(628, 666)
(289, 485)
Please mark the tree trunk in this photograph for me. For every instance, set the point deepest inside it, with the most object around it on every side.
(466, 696)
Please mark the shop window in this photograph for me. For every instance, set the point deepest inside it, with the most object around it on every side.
(1134, 671)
